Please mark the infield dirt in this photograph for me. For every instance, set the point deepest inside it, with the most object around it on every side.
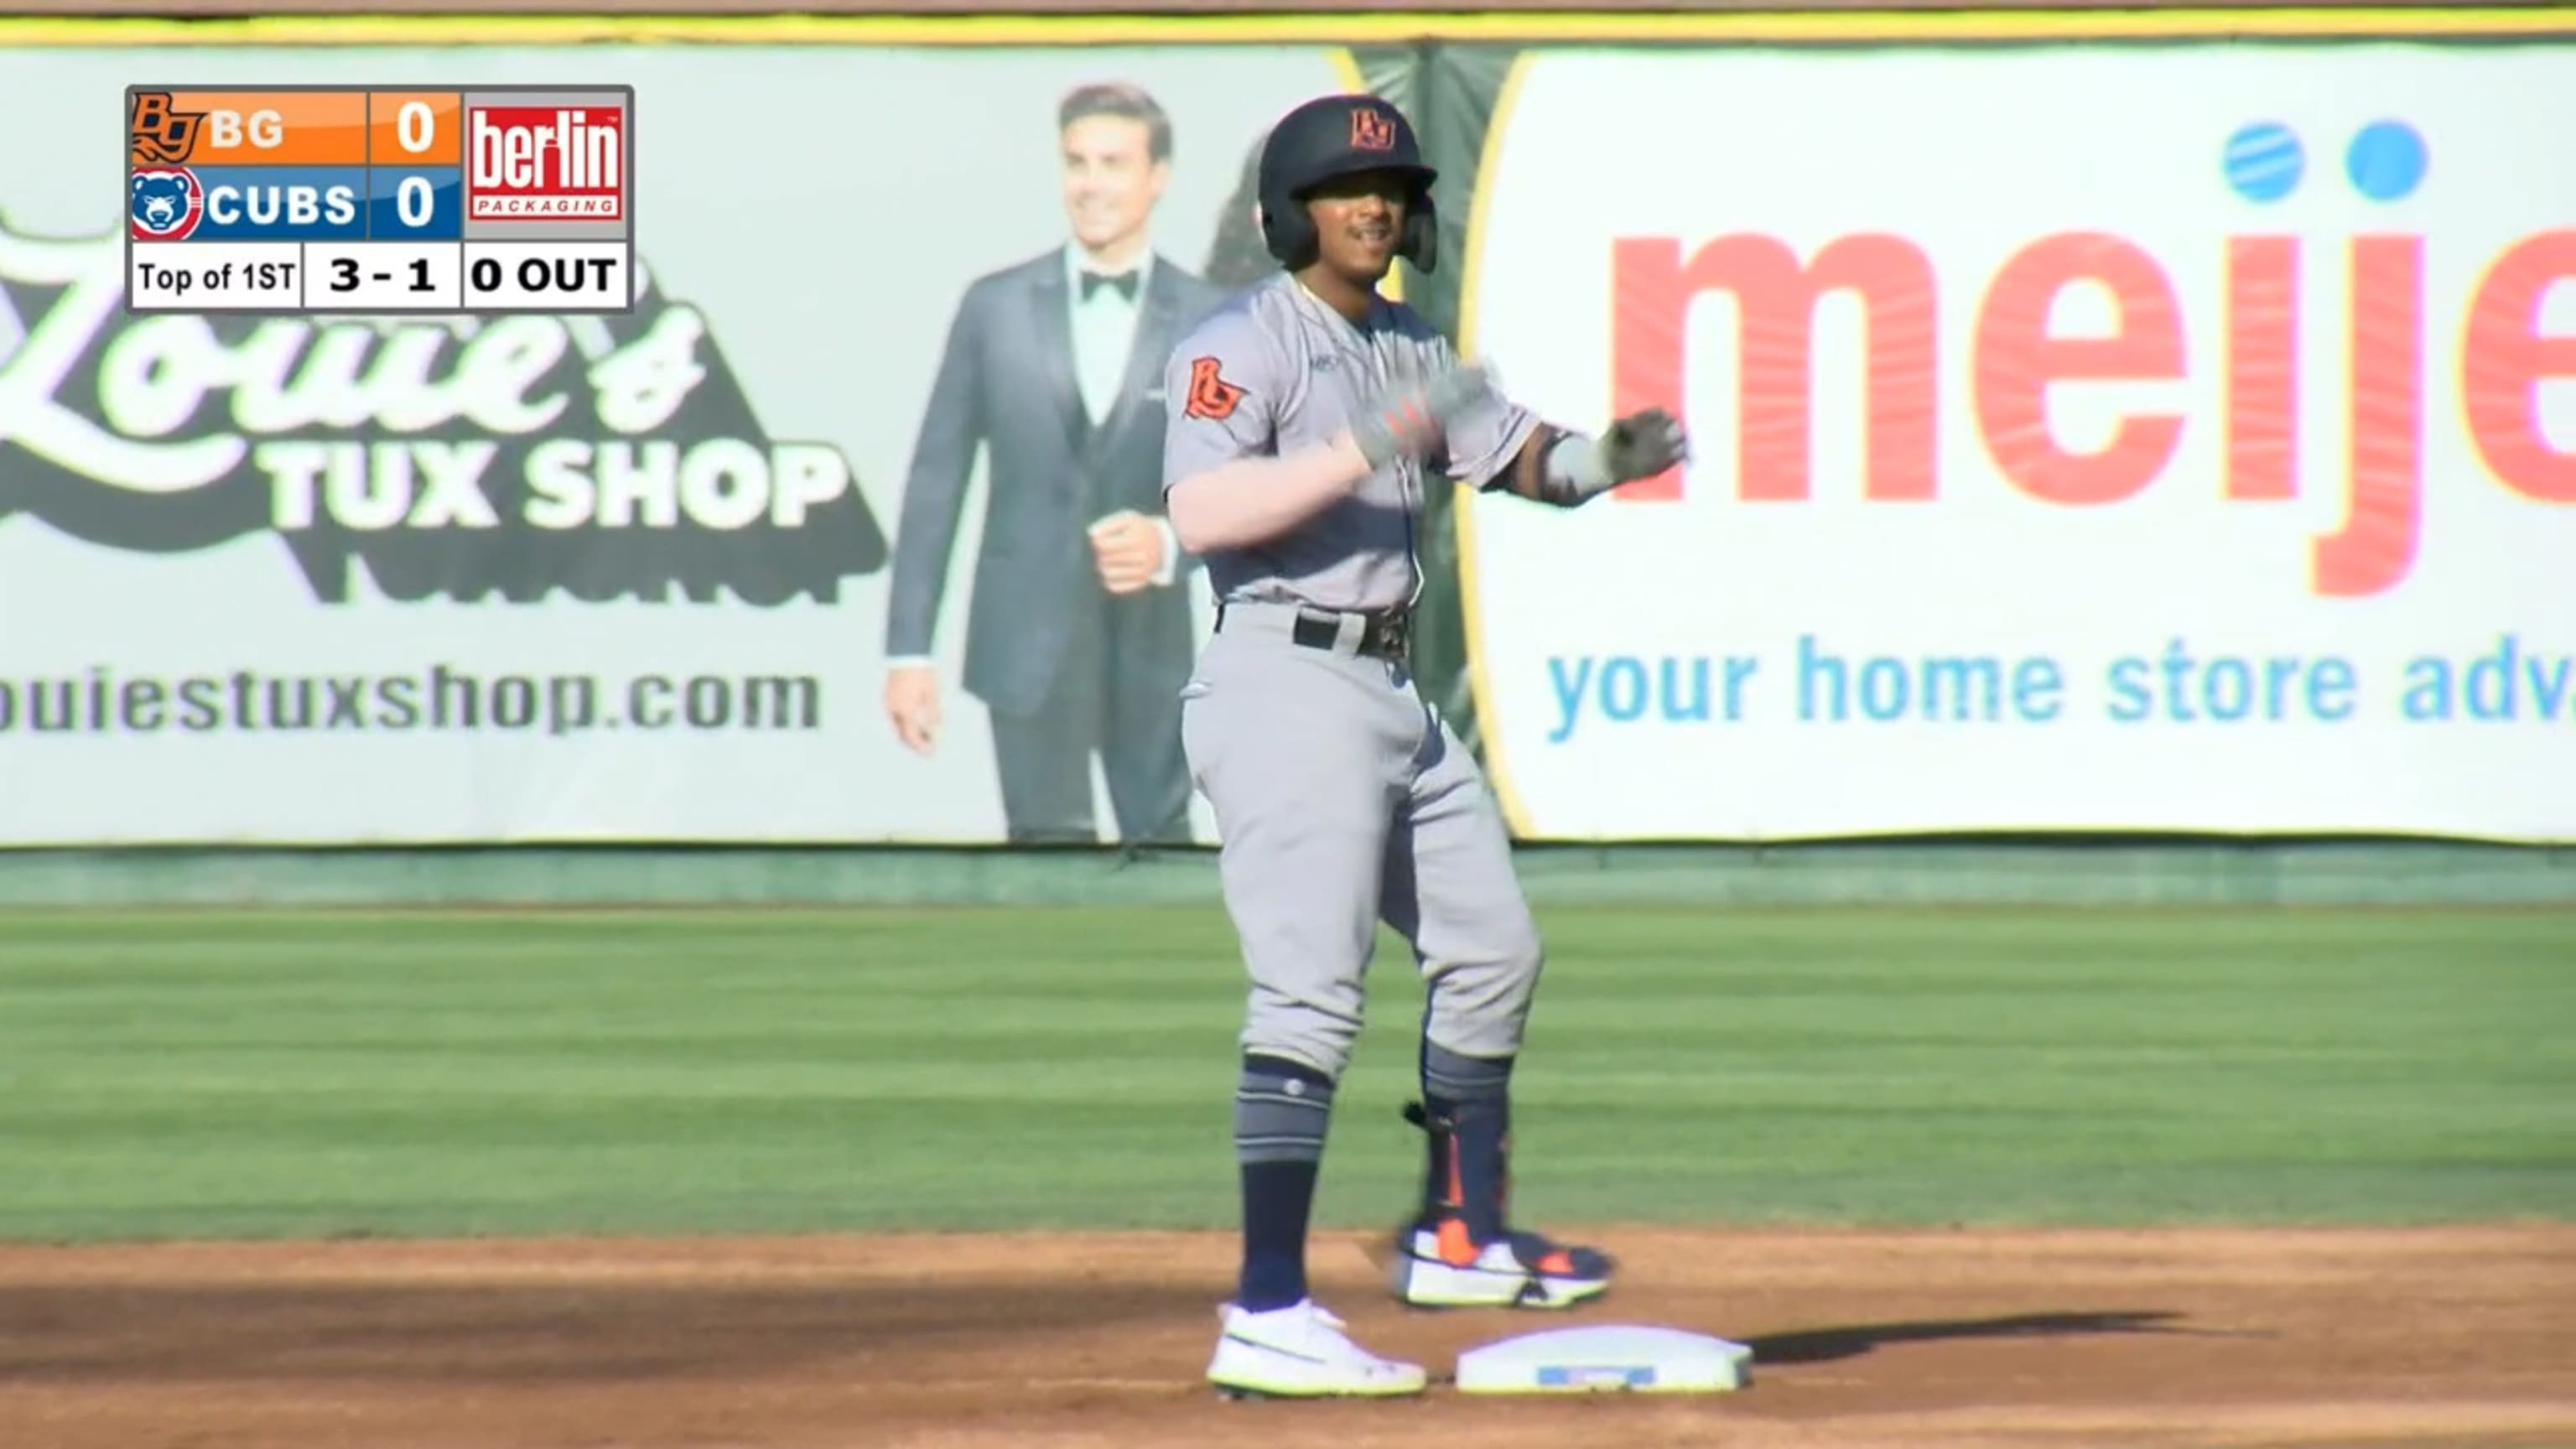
(1920, 1340)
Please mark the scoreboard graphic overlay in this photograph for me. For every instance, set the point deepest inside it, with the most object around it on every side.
(309, 199)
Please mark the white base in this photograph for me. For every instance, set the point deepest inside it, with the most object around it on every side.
(1606, 1358)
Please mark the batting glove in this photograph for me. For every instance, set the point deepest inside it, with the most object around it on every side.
(1642, 445)
(1408, 421)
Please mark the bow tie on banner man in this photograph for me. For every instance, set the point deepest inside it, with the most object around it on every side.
(1123, 283)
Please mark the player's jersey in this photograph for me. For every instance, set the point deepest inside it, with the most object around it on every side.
(1275, 370)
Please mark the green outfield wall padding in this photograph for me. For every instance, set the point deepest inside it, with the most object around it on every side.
(1912, 874)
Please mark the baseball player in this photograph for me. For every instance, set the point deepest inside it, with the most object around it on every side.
(1306, 418)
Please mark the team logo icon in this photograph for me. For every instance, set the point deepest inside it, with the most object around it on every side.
(1371, 131)
(166, 205)
(1211, 396)
(159, 133)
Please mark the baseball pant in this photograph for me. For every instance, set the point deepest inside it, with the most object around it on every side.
(1342, 800)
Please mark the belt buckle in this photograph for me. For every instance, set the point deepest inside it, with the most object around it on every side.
(1387, 632)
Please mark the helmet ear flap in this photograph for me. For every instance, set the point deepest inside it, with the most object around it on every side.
(1288, 231)
(1420, 241)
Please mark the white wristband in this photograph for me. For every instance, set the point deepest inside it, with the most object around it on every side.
(1574, 469)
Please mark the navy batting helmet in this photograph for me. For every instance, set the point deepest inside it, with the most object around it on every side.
(1342, 136)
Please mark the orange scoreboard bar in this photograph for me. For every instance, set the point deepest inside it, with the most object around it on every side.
(486, 199)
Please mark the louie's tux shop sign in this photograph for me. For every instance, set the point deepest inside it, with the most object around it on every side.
(860, 543)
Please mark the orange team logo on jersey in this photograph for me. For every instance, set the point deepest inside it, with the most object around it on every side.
(160, 134)
(1371, 131)
(1211, 396)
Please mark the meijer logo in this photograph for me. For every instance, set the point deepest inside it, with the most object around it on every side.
(2377, 366)
(549, 163)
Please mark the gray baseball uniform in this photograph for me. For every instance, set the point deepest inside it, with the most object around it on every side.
(1340, 795)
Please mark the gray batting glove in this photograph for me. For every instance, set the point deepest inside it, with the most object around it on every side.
(1642, 445)
(1409, 419)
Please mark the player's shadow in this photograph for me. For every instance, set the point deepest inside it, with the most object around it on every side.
(1825, 1345)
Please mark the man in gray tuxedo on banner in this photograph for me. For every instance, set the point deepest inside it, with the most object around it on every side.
(1079, 633)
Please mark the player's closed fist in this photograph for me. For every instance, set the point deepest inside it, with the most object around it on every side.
(1409, 419)
(1642, 445)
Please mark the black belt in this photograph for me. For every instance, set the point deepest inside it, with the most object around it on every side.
(1384, 634)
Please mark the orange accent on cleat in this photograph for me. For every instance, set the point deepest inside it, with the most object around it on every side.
(1456, 1248)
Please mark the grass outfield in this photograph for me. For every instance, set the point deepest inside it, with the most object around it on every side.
(230, 1074)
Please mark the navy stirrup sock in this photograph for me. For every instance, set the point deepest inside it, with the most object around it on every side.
(1467, 1110)
(1281, 1109)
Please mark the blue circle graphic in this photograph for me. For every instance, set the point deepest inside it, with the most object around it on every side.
(2387, 160)
(2264, 162)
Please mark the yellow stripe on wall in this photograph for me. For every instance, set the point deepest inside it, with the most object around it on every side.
(1463, 513)
(1832, 27)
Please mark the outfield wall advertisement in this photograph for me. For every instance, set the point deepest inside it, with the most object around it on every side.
(2136, 435)
(2157, 438)
(635, 577)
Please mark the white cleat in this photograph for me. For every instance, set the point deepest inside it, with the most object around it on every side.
(1523, 1271)
(1301, 1352)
